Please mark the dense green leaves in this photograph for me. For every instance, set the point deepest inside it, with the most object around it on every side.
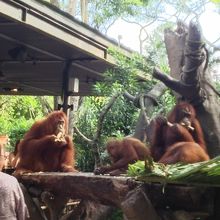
(120, 121)
(207, 172)
(107, 11)
(17, 114)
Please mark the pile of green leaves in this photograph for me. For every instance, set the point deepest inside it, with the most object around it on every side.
(207, 172)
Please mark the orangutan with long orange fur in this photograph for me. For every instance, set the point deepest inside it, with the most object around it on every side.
(179, 137)
(123, 152)
(46, 147)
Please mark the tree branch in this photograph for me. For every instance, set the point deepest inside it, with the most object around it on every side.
(146, 103)
(194, 55)
(188, 84)
(2, 104)
(169, 81)
(46, 106)
(82, 135)
(129, 97)
(104, 111)
(96, 138)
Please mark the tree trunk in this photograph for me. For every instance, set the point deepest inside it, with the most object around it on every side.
(57, 102)
(55, 2)
(94, 192)
(72, 7)
(84, 11)
(74, 102)
(191, 80)
(146, 103)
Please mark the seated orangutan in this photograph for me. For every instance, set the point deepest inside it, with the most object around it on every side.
(123, 152)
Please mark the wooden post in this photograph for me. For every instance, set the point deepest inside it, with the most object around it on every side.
(136, 205)
(34, 208)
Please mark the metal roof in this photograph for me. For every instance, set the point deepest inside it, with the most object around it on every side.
(41, 47)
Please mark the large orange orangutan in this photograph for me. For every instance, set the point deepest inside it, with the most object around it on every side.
(179, 137)
(123, 152)
(46, 147)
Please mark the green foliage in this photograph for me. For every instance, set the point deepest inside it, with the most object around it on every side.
(121, 118)
(203, 172)
(113, 10)
(86, 121)
(165, 104)
(126, 76)
(120, 121)
(84, 155)
(117, 215)
(217, 84)
(149, 169)
(87, 114)
(17, 129)
(17, 106)
(17, 114)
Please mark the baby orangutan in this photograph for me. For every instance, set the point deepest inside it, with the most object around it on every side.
(123, 152)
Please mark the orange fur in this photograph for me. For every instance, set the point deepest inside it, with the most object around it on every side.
(123, 152)
(172, 143)
(40, 150)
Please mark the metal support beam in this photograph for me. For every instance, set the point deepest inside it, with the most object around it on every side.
(65, 93)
